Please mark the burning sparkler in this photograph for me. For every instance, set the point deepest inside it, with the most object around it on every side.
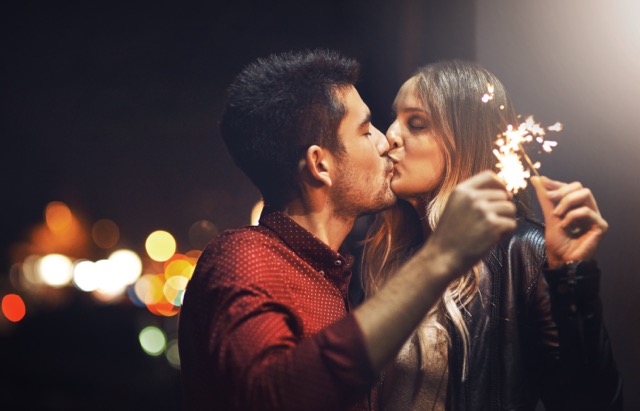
(513, 161)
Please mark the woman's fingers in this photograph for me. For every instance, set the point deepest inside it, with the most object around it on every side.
(558, 193)
(580, 220)
(579, 198)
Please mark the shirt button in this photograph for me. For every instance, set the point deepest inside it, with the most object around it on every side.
(338, 263)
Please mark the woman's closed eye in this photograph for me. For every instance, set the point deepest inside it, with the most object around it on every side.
(417, 123)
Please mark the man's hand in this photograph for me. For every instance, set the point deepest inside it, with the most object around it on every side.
(573, 224)
(478, 213)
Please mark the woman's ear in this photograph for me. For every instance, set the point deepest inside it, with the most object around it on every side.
(318, 163)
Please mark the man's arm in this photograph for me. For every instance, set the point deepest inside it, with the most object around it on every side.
(478, 213)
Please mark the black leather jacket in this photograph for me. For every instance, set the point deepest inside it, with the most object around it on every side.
(535, 334)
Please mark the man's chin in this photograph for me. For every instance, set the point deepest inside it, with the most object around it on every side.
(387, 201)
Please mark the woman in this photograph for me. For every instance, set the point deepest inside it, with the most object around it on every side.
(525, 324)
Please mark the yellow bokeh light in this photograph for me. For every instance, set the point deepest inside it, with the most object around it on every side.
(174, 289)
(160, 245)
(182, 268)
(58, 216)
(149, 288)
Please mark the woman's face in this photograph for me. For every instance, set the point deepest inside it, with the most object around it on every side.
(416, 147)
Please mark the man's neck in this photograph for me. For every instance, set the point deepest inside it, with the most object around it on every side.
(321, 222)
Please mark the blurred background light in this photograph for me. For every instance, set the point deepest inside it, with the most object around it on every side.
(85, 275)
(152, 340)
(58, 216)
(194, 255)
(174, 289)
(182, 267)
(111, 282)
(160, 245)
(29, 271)
(149, 288)
(55, 270)
(105, 233)
(172, 354)
(13, 307)
(127, 265)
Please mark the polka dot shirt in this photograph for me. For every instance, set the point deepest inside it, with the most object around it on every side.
(265, 324)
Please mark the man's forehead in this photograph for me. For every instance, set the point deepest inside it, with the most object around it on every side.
(356, 109)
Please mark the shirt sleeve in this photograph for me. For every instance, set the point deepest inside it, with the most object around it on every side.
(244, 350)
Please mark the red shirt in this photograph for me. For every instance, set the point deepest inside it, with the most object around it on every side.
(265, 324)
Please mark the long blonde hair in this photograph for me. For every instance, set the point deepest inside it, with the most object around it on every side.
(451, 92)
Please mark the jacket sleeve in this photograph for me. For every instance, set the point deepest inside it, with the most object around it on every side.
(583, 374)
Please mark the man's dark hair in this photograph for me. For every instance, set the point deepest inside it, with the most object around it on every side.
(277, 108)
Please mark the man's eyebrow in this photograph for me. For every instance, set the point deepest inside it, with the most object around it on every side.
(366, 121)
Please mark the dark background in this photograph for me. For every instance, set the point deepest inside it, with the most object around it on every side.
(112, 108)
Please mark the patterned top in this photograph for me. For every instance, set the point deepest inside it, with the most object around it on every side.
(265, 324)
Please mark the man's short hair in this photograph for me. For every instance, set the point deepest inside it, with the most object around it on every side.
(277, 108)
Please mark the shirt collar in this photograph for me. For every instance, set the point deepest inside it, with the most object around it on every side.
(310, 248)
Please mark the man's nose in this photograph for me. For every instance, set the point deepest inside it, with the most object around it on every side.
(379, 141)
(393, 135)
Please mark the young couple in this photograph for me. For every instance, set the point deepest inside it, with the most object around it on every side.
(470, 303)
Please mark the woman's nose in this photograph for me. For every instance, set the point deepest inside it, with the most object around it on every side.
(393, 135)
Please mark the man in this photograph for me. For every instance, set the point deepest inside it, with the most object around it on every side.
(266, 322)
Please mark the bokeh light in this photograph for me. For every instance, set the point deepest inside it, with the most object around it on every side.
(173, 354)
(160, 245)
(194, 255)
(13, 307)
(29, 271)
(58, 216)
(55, 270)
(85, 275)
(163, 308)
(111, 282)
(152, 340)
(127, 265)
(182, 267)
(149, 288)
(174, 289)
(105, 233)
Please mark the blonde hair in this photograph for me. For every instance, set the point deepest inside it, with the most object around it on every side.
(451, 93)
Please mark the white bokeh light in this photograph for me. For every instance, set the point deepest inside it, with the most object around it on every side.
(127, 265)
(85, 276)
(55, 270)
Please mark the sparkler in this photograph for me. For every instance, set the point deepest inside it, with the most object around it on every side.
(514, 163)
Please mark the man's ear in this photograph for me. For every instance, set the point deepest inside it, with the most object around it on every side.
(319, 163)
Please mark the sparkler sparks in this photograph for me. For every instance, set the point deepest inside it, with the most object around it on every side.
(513, 161)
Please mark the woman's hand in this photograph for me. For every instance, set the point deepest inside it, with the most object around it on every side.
(573, 224)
